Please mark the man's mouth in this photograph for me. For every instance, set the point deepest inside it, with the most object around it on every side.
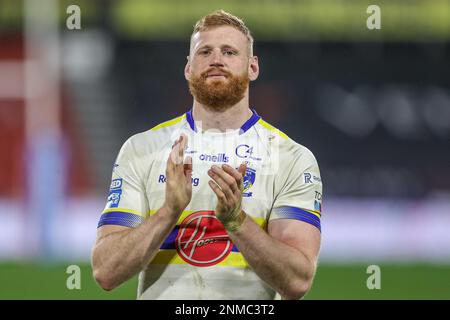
(216, 76)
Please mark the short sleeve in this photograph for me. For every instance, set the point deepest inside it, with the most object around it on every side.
(299, 189)
(126, 203)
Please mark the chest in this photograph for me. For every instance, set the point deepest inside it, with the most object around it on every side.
(258, 194)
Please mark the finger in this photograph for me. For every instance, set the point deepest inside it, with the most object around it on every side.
(179, 149)
(219, 193)
(177, 156)
(242, 169)
(188, 164)
(188, 168)
(222, 184)
(173, 153)
(232, 172)
(226, 177)
(183, 145)
(175, 143)
(170, 165)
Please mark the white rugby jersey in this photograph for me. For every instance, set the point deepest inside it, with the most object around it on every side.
(198, 260)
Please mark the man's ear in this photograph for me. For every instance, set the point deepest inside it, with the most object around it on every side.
(253, 68)
(187, 69)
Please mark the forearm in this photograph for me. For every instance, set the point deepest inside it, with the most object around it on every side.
(120, 255)
(286, 269)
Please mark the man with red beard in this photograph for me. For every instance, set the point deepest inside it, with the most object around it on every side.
(217, 203)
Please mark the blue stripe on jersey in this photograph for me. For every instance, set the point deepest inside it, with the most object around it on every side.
(169, 243)
(247, 125)
(297, 214)
(250, 122)
(120, 218)
(190, 120)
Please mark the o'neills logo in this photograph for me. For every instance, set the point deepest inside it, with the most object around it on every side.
(221, 157)
(202, 240)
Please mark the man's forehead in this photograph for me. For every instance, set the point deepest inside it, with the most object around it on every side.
(219, 36)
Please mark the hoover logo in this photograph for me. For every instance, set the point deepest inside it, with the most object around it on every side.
(202, 240)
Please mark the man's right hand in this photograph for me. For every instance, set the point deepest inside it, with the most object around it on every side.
(179, 175)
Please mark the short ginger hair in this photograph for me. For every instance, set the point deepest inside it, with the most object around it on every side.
(222, 18)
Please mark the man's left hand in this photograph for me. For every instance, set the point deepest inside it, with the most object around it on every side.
(227, 184)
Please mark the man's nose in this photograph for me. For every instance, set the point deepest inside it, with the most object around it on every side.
(216, 59)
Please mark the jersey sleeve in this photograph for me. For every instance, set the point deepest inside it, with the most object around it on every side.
(126, 203)
(299, 190)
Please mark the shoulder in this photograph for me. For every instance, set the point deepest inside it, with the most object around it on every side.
(169, 124)
(154, 139)
(289, 150)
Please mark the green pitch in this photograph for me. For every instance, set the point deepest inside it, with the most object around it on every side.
(406, 281)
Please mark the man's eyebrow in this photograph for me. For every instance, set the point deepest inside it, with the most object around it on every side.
(206, 46)
(224, 46)
(227, 46)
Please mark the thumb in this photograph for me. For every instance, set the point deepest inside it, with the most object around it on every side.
(242, 170)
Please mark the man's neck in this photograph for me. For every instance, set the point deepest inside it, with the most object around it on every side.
(231, 119)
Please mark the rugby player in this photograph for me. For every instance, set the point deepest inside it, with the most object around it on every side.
(216, 203)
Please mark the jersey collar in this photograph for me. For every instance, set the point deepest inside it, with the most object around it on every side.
(247, 125)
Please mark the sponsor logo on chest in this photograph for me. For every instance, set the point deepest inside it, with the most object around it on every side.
(220, 157)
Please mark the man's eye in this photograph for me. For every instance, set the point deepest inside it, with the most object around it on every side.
(204, 52)
(229, 53)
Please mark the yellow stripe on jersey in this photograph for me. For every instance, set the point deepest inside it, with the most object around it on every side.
(259, 221)
(123, 210)
(168, 123)
(183, 215)
(272, 128)
(170, 256)
(316, 213)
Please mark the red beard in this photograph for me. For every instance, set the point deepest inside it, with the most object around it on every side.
(217, 94)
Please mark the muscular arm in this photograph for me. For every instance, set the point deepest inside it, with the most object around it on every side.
(285, 257)
(121, 252)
